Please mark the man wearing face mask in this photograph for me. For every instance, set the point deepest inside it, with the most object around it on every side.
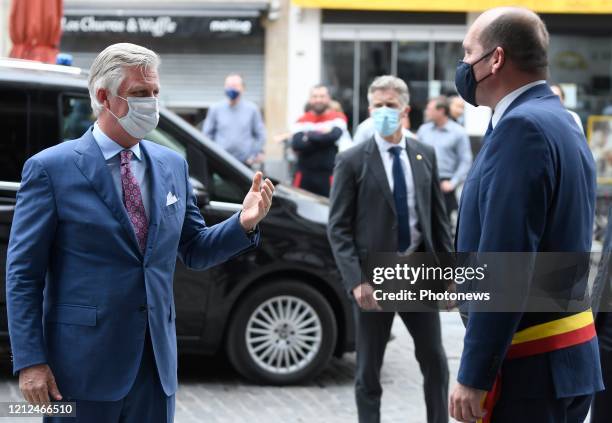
(531, 189)
(98, 225)
(315, 140)
(236, 124)
(386, 197)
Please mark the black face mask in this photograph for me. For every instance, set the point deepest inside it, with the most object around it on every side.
(465, 80)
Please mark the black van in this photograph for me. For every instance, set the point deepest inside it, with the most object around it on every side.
(280, 312)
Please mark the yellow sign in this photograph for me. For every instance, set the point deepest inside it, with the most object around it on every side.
(542, 6)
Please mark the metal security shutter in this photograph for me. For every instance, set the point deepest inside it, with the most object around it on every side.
(196, 80)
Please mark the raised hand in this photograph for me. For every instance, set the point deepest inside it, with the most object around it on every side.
(257, 202)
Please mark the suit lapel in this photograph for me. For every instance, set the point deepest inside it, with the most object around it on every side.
(420, 178)
(159, 178)
(92, 165)
(378, 170)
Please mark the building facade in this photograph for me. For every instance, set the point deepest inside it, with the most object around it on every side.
(284, 47)
(420, 41)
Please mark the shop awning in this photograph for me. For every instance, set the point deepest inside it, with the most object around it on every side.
(237, 8)
(550, 6)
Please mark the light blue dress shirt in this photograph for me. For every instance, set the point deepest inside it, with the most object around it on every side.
(453, 150)
(110, 150)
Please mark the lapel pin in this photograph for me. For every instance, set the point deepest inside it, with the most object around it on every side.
(419, 157)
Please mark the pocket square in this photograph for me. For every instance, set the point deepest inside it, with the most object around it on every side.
(171, 199)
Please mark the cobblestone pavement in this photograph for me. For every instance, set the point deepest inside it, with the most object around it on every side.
(210, 391)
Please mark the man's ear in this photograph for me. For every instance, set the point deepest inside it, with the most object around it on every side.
(499, 59)
(102, 97)
(406, 111)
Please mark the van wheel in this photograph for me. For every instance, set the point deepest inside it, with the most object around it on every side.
(282, 333)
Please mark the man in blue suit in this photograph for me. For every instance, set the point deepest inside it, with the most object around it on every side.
(531, 188)
(601, 409)
(98, 225)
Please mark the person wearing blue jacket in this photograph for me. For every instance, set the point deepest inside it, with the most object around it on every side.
(98, 226)
(531, 189)
(601, 408)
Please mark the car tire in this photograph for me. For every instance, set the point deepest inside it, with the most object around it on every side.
(282, 333)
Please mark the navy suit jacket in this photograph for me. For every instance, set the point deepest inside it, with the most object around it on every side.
(76, 281)
(531, 188)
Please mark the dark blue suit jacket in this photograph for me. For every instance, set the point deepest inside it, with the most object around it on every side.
(531, 188)
(76, 279)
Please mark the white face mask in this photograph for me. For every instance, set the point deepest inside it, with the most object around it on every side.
(142, 116)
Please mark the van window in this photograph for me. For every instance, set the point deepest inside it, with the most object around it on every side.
(163, 137)
(77, 116)
(224, 187)
(14, 116)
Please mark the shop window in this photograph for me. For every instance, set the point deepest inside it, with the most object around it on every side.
(338, 73)
(375, 60)
(413, 61)
(446, 56)
(583, 66)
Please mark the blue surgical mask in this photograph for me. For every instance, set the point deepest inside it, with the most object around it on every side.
(466, 82)
(386, 120)
(232, 93)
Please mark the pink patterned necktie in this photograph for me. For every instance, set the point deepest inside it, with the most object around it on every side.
(132, 199)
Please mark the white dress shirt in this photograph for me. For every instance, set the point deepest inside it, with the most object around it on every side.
(505, 102)
(110, 150)
(387, 159)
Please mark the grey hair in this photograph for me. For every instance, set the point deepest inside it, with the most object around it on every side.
(390, 82)
(108, 69)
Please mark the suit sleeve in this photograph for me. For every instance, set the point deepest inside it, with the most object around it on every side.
(306, 142)
(30, 244)
(440, 226)
(516, 190)
(201, 246)
(340, 229)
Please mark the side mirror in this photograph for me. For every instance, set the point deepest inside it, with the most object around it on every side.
(200, 192)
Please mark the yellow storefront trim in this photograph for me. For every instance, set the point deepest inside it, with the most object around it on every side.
(542, 6)
(555, 327)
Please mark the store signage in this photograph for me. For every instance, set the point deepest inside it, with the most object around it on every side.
(550, 6)
(159, 26)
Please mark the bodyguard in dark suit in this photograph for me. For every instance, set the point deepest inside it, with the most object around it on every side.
(531, 188)
(386, 198)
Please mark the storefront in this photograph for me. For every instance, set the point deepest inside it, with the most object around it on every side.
(198, 45)
(420, 41)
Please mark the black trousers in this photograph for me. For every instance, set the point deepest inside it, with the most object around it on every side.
(601, 408)
(450, 200)
(373, 330)
(315, 181)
